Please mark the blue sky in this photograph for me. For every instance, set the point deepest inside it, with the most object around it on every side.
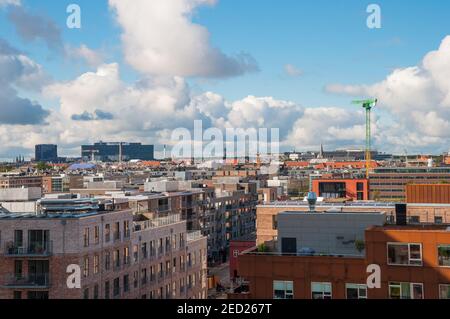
(328, 41)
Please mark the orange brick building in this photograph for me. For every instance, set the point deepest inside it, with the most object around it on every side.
(414, 262)
(355, 189)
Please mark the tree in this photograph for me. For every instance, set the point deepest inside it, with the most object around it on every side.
(42, 166)
(360, 245)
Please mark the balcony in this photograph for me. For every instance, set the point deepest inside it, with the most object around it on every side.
(35, 281)
(38, 249)
(117, 236)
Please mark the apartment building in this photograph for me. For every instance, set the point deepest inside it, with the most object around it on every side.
(61, 183)
(414, 261)
(20, 181)
(118, 255)
(390, 183)
(266, 214)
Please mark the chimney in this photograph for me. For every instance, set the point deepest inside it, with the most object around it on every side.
(312, 200)
(400, 214)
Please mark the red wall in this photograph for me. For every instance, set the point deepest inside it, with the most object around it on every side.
(350, 186)
(239, 246)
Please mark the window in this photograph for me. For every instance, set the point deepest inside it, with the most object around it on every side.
(283, 289)
(135, 253)
(86, 267)
(96, 264)
(116, 258)
(96, 234)
(107, 260)
(107, 290)
(355, 291)
(86, 293)
(444, 291)
(116, 289)
(107, 232)
(17, 295)
(414, 219)
(126, 283)
(321, 290)
(126, 255)
(18, 269)
(404, 254)
(126, 229)
(438, 220)
(95, 292)
(86, 237)
(405, 290)
(235, 253)
(444, 255)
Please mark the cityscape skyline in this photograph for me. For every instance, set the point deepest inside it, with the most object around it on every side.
(113, 80)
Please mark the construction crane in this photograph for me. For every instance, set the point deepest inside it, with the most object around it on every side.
(368, 105)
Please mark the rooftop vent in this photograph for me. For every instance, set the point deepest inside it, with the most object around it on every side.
(312, 200)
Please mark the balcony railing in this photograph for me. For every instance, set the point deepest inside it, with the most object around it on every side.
(35, 281)
(196, 235)
(34, 249)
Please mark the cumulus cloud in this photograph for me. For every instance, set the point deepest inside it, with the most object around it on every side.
(17, 70)
(32, 27)
(329, 125)
(417, 97)
(159, 38)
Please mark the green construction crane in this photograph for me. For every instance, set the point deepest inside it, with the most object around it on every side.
(368, 105)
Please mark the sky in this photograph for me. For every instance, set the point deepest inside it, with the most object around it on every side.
(137, 70)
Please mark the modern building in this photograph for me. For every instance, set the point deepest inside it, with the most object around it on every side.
(46, 153)
(390, 183)
(117, 152)
(413, 259)
(354, 189)
(119, 255)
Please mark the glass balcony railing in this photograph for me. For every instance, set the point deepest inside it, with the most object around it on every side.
(30, 281)
(40, 249)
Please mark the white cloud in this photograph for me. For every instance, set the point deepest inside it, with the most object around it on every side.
(417, 98)
(92, 57)
(159, 38)
(292, 70)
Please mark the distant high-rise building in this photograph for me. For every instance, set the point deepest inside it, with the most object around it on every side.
(117, 152)
(46, 153)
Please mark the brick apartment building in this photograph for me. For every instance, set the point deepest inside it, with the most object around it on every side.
(390, 183)
(414, 262)
(20, 181)
(266, 220)
(120, 255)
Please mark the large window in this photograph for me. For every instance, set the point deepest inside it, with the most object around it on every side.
(404, 254)
(444, 255)
(405, 290)
(355, 291)
(444, 291)
(283, 289)
(321, 290)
